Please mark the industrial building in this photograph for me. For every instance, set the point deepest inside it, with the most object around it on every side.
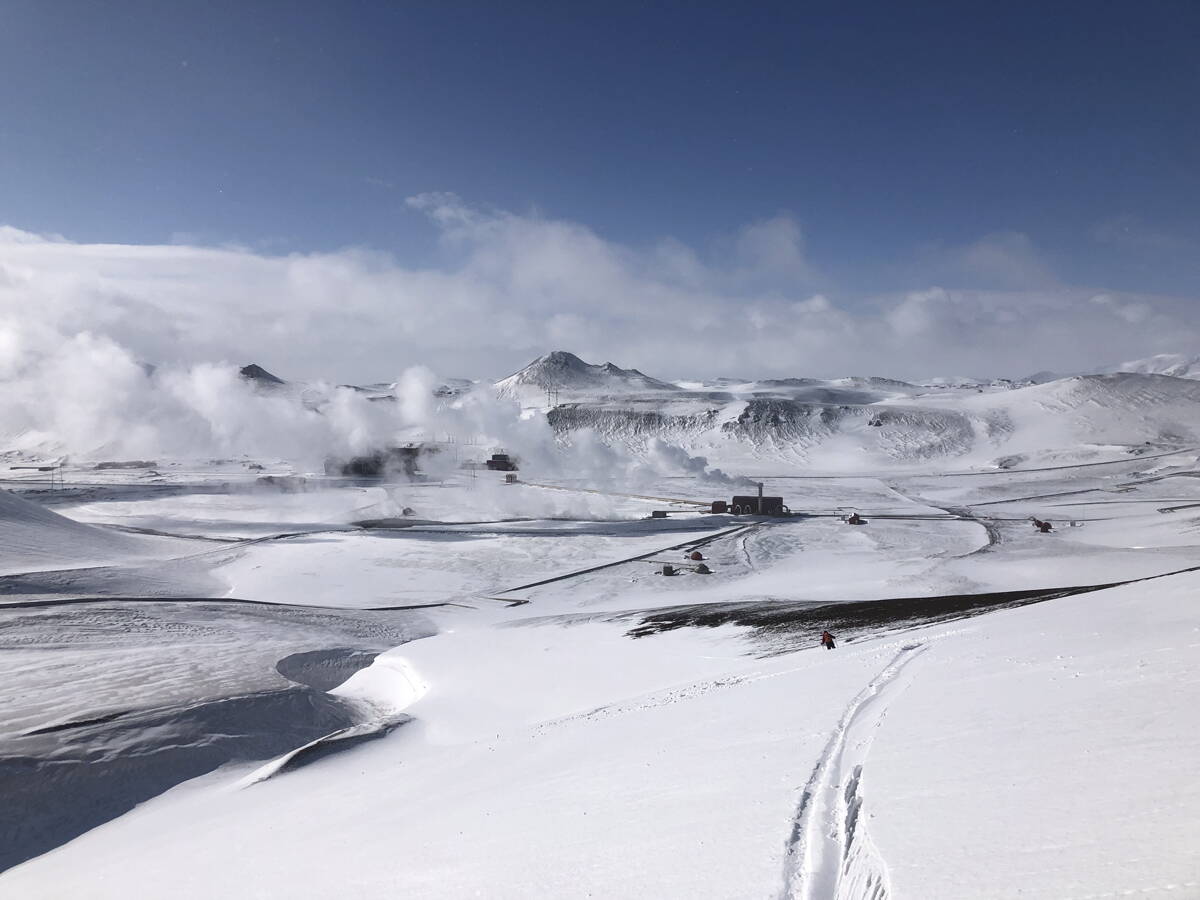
(502, 462)
(752, 505)
(389, 462)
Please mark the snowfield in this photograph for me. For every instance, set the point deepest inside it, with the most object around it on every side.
(240, 676)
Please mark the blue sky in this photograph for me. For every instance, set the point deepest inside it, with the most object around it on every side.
(895, 136)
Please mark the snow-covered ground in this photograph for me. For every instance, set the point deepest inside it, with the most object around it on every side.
(253, 680)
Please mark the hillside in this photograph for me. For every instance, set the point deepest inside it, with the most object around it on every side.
(1176, 365)
(33, 538)
(854, 422)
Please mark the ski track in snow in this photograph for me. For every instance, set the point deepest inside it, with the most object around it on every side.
(1133, 892)
(830, 855)
(683, 693)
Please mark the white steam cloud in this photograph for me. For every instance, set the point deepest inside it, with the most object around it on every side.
(88, 398)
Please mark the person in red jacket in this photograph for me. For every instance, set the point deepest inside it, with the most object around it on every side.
(827, 640)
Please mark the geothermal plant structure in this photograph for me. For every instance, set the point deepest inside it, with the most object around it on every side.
(745, 505)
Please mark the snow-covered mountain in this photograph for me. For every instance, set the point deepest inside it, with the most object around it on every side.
(832, 423)
(737, 424)
(1177, 365)
(850, 421)
(567, 373)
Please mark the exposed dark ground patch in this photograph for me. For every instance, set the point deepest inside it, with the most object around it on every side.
(688, 545)
(785, 626)
(78, 723)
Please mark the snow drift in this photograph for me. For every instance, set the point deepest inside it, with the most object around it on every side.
(33, 538)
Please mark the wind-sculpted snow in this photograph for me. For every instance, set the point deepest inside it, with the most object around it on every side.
(1120, 409)
(58, 786)
(111, 703)
(1122, 390)
(35, 538)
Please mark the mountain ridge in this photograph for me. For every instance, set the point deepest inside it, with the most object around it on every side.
(561, 370)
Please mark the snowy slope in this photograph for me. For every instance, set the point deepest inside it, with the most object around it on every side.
(1007, 712)
(943, 764)
(1176, 365)
(34, 538)
(853, 421)
(1122, 409)
(839, 428)
(1052, 748)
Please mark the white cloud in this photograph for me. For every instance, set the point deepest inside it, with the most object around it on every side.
(1135, 313)
(774, 247)
(513, 286)
(1008, 259)
(919, 312)
(1002, 261)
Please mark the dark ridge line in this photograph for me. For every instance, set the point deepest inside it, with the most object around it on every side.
(77, 723)
(399, 523)
(154, 532)
(1052, 496)
(770, 613)
(620, 562)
